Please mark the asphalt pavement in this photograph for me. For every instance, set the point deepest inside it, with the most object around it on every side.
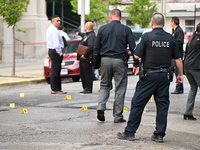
(51, 126)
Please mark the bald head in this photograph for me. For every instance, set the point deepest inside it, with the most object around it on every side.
(157, 20)
(88, 26)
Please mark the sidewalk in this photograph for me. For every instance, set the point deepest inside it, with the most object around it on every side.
(25, 72)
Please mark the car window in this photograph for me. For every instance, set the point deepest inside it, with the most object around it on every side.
(137, 36)
(71, 47)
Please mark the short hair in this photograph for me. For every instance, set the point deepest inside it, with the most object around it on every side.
(60, 27)
(54, 16)
(158, 19)
(116, 12)
(175, 20)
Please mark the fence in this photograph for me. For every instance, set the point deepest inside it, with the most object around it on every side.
(19, 49)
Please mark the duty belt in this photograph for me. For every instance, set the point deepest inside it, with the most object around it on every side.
(156, 70)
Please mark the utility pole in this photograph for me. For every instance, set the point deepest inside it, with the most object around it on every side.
(53, 8)
(82, 15)
(13, 72)
(62, 12)
(164, 8)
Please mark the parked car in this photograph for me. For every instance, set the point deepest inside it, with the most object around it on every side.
(137, 33)
(69, 65)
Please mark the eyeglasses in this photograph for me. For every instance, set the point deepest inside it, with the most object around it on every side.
(58, 20)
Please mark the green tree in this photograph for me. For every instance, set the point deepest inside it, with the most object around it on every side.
(141, 11)
(98, 10)
(12, 11)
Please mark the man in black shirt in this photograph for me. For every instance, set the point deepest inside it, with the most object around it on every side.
(111, 43)
(86, 70)
(156, 49)
(178, 33)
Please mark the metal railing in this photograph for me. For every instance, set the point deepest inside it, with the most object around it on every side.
(19, 49)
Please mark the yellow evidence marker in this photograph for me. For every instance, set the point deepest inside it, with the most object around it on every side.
(24, 111)
(84, 107)
(125, 109)
(12, 105)
(68, 97)
(22, 95)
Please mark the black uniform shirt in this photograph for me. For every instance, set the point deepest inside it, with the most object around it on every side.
(179, 36)
(88, 39)
(142, 45)
(112, 40)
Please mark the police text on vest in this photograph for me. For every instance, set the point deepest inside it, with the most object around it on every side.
(160, 43)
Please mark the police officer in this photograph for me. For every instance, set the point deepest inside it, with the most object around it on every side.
(111, 43)
(156, 49)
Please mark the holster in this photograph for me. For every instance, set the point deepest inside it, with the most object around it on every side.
(126, 58)
(142, 72)
(171, 73)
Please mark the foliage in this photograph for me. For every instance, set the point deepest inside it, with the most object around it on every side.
(141, 11)
(12, 10)
(98, 10)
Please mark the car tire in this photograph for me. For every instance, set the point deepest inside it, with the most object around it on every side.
(75, 78)
(48, 80)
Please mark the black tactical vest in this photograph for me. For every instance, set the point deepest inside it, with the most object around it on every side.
(159, 50)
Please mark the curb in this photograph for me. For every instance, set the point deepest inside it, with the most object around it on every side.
(23, 81)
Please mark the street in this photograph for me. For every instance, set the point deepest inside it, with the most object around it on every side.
(58, 122)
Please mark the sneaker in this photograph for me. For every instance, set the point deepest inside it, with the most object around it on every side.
(157, 138)
(124, 136)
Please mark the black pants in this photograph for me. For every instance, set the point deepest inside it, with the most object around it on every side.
(55, 79)
(156, 84)
(86, 73)
(179, 87)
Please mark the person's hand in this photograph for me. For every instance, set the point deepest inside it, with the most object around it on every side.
(136, 70)
(179, 79)
(77, 33)
(83, 57)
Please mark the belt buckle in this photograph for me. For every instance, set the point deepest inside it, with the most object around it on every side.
(161, 69)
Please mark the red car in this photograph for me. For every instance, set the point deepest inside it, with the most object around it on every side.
(70, 64)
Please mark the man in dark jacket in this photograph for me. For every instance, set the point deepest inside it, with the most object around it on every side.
(178, 33)
(86, 70)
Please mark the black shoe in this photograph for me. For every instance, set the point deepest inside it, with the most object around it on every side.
(85, 92)
(124, 136)
(119, 120)
(189, 117)
(177, 92)
(157, 138)
(100, 115)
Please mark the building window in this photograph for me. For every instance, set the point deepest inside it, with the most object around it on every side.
(189, 26)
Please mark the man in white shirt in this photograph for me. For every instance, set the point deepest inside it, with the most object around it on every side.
(55, 46)
(62, 33)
